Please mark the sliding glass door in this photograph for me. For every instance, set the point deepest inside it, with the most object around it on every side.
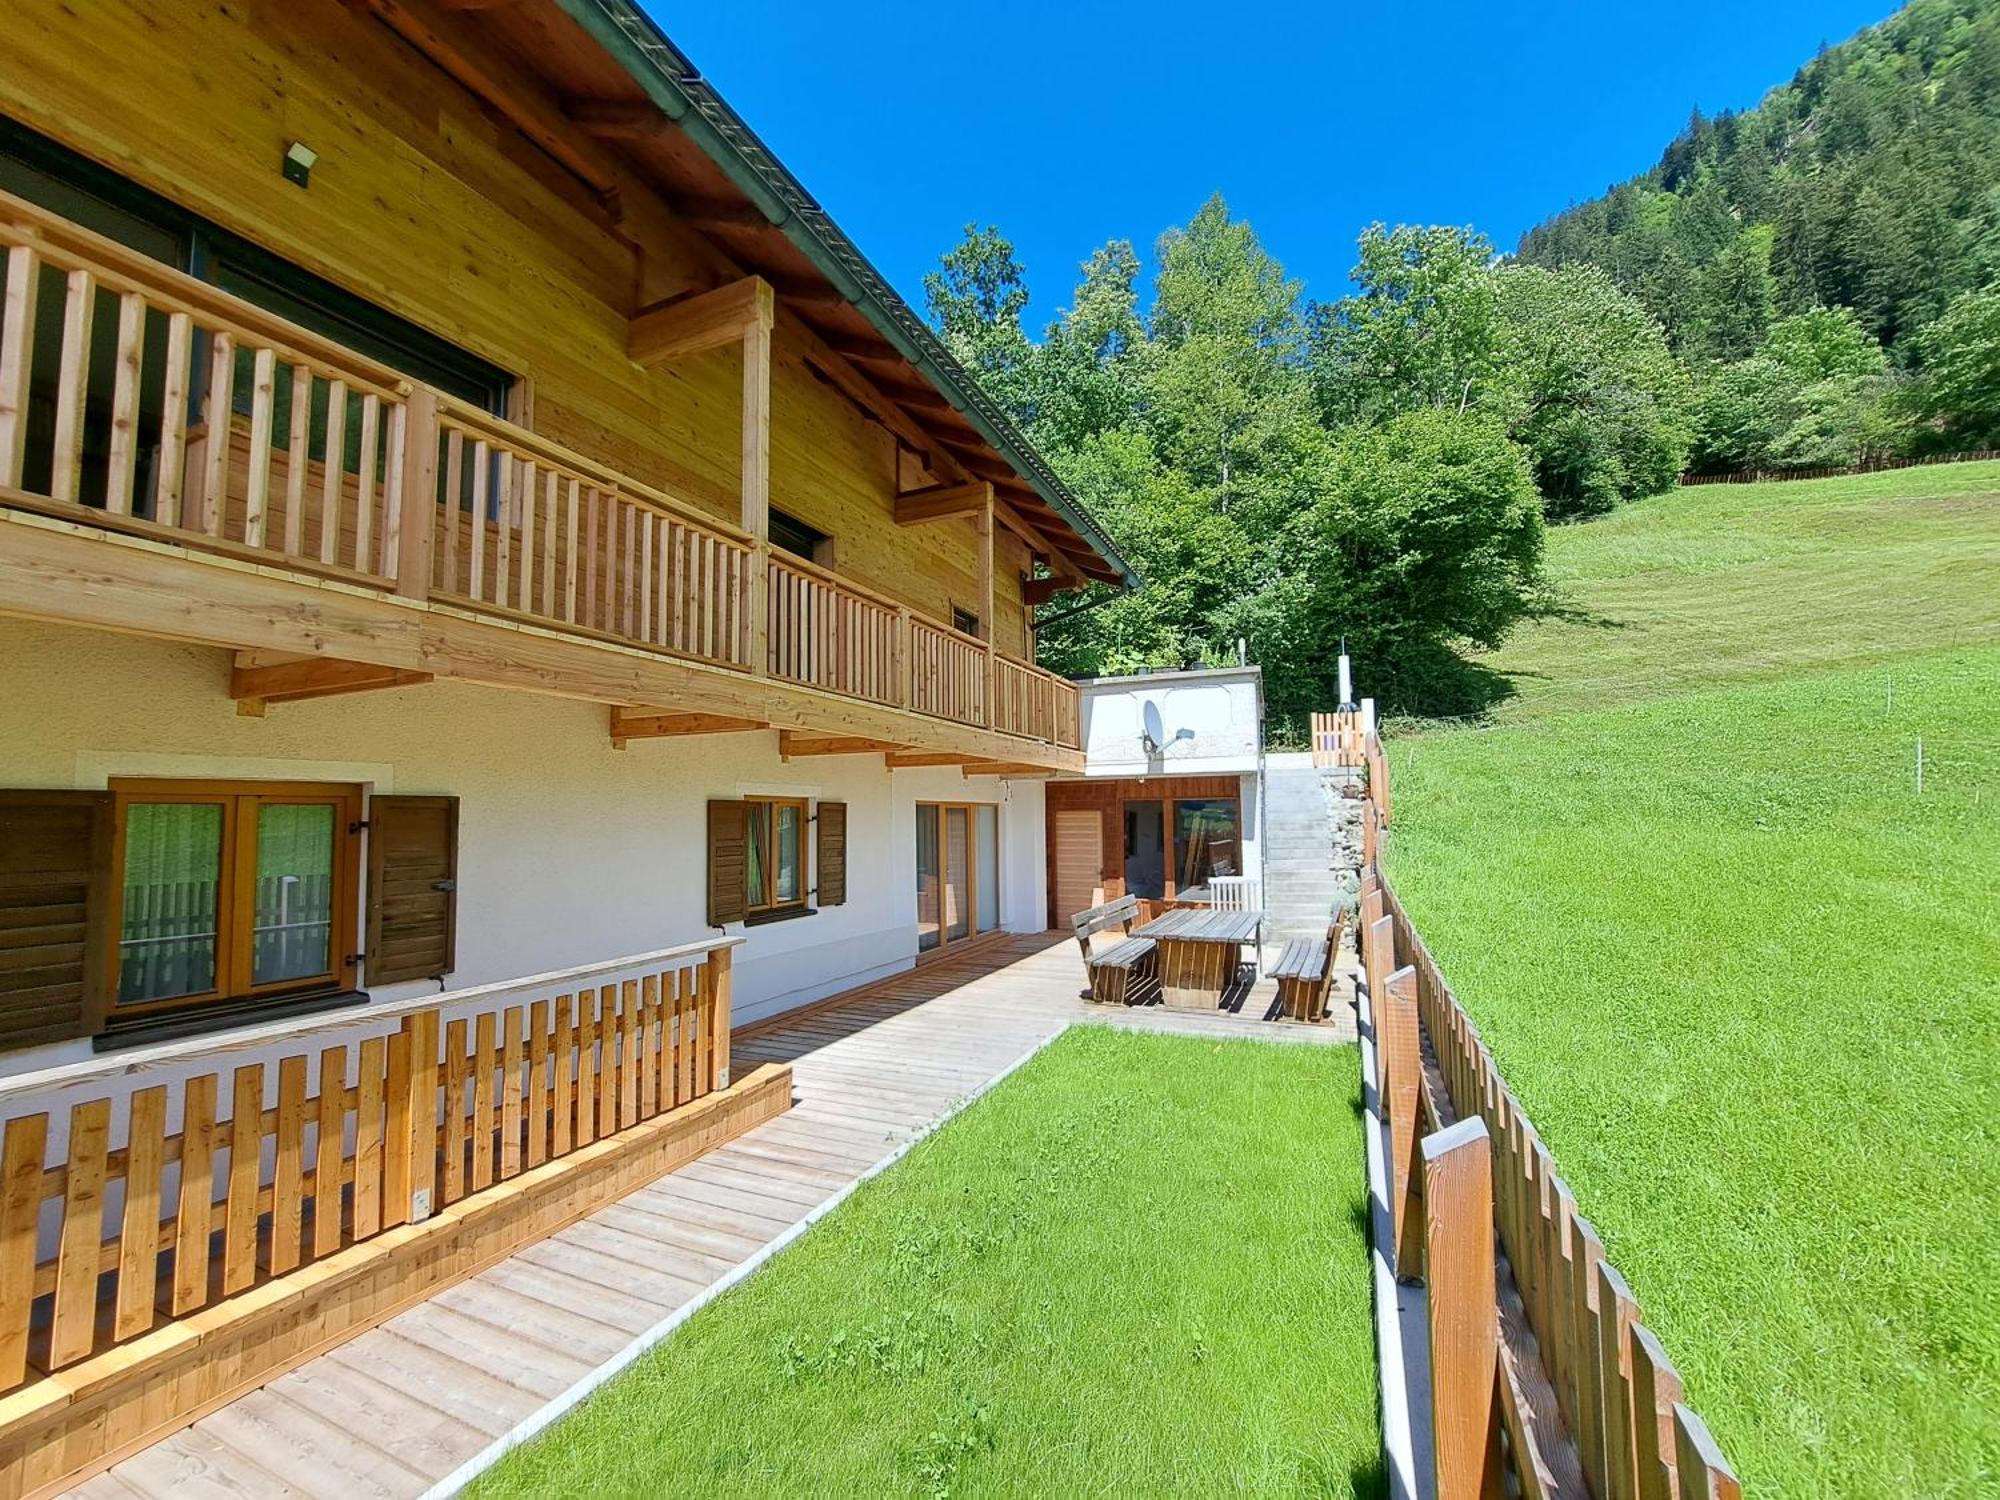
(958, 872)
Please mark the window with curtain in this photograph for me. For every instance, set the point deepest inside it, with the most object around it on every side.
(774, 873)
(233, 891)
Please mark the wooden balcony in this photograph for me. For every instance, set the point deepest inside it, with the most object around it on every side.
(277, 492)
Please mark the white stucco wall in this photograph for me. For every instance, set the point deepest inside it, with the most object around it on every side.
(1203, 723)
(570, 851)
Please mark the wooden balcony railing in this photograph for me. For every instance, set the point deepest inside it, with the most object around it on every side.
(950, 672)
(528, 528)
(140, 399)
(827, 633)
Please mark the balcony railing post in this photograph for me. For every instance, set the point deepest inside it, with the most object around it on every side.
(987, 715)
(904, 658)
(416, 496)
(758, 608)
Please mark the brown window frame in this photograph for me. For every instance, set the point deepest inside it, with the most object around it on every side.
(236, 887)
(766, 808)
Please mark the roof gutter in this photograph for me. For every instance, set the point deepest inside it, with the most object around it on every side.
(674, 84)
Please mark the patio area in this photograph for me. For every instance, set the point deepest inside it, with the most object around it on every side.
(425, 1399)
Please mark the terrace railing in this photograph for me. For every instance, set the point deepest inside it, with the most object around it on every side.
(137, 1193)
(1539, 1362)
(136, 398)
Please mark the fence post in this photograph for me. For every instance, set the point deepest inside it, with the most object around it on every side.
(423, 1031)
(416, 498)
(720, 963)
(1396, 1041)
(1464, 1311)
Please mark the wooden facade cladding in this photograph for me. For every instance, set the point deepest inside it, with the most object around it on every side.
(489, 234)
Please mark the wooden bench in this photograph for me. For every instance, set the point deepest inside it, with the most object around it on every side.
(1304, 972)
(1113, 970)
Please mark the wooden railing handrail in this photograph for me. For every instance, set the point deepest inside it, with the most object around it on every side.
(804, 568)
(544, 450)
(118, 269)
(950, 632)
(66, 1077)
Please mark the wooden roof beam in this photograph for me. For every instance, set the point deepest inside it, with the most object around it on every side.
(646, 724)
(791, 743)
(940, 502)
(852, 346)
(1013, 769)
(674, 330)
(909, 760)
(257, 680)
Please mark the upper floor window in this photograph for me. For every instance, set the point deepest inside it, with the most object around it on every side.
(792, 535)
(964, 620)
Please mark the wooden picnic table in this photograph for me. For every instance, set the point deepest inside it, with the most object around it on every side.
(1198, 951)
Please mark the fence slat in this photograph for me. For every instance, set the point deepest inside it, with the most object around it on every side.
(370, 1113)
(246, 1152)
(510, 1092)
(139, 1236)
(191, 1222)
(482, 1101)
(288, 1175)
(73, 1321)
(20, 1208)
(331, 1147)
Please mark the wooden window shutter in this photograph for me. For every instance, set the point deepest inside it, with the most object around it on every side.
(412, 888)
(56, 894)
(727, 859)
(831, 853)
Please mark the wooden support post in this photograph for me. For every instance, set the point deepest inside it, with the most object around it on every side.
(423, 1029)
(416, 500)
(1464, 1311)
(720, 964)
(1396, 1043)
(756, 518)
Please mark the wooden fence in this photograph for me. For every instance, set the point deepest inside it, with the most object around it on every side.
(1540, 1366)
(136, 1206)
(1867, 466)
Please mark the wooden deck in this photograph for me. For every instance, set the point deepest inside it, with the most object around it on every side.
(422, 1401)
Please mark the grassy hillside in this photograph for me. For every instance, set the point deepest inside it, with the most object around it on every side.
(1744, 978)
(1719, 584)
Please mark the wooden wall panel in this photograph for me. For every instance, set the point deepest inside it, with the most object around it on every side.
(425, 204)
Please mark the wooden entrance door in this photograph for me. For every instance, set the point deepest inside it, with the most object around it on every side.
(1079, 841)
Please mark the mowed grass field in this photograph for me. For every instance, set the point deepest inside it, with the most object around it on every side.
(1744, 978)
(1727, 583)
(1136, 1267)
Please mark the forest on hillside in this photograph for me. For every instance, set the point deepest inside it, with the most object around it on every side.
(1809, 283)
(1866, 190)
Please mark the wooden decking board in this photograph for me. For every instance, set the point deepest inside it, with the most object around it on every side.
(405, 1404)
(546, 1372)
(471, 1397)
(567, 1329)
(314, 1456)
(416, 1434)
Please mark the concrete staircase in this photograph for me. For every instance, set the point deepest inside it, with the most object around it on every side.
(1300, 879)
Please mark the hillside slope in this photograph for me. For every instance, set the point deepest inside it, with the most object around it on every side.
(1718, 584)
(1868, 181)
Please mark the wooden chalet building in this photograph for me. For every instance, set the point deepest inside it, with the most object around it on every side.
(487, 571)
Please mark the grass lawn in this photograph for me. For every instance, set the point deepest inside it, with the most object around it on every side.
(1731, 583)
(1136, 1267)
(1744, 980)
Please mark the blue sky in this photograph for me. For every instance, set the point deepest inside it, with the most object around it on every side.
(1067, 125)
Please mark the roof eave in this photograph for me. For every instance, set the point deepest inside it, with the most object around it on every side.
(667, 77)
